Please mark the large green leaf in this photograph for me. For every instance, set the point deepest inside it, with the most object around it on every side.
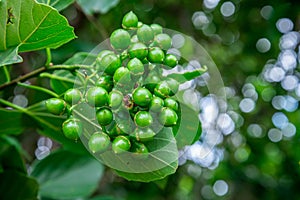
(17, 186)
(14, 121)
(97, 6)
(161, 161)
(58, 4)
(188, 75)
(27, 26)
(65, 175)
(10, 157)
(188, 128)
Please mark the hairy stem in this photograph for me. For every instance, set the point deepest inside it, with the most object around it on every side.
(39, 71)
(38, 88)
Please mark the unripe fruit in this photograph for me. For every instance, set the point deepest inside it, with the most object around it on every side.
(115, 99)
(144, 134)
(156, 55)
(138, 50)
(99, 142)
(72, 128)
(163, 41)
(104, 53)
(173, 85)
(157, 29)
(143, 119)
(96, 96)
(171, 103)
(156, 104)
(162, 90)
(121, 144)
(145, 34)
(109, 63)
(130, 20)
(120, 39)
(170, 60)
(106, 82)
(122, 76)
(72, 96)
(141, 96)
(140, 150)
(104, 116)
(136, 67)
(56, 106)
(168, 117)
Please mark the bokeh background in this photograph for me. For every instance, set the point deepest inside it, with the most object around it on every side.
(250, 147)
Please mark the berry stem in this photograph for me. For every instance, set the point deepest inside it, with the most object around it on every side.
(38, 88)
(29, 113)
(49, 58)
(39, 71)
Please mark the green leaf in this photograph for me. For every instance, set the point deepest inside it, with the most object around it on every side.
(161, 161)
(28, 26)
(187, 76)
(10, 157)
(58, 4)
(188, 128)
(84, 58)
(65, 175)
(17, 186)
(97, 6)
(10, 56)
(13, 121)
(150, 176)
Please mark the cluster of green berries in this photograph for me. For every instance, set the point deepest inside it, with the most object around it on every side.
(133, 101)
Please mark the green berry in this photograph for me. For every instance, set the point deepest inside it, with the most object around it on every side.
(99, 142)
(170, 60)
(134, 39)
(156, 104)
(163, 41)
(156, 55)
(171, 103)
(115, 99)
(122, 76)
(162, 90)
(121, 144)
(106, 82)
(157, 29)
(56, 106)
(72, 128)
(136, 67)
(109, 63)
(72, 96)
(138, 50)
(143, 119)
(144, 134)
(141, 96)
(130, 20)
(120, 39)
(173, 85)
(96, 96)
(145, 34)
(168, 117)
(104, 116)
(140, 150)
(104, 53)
(151, 81)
